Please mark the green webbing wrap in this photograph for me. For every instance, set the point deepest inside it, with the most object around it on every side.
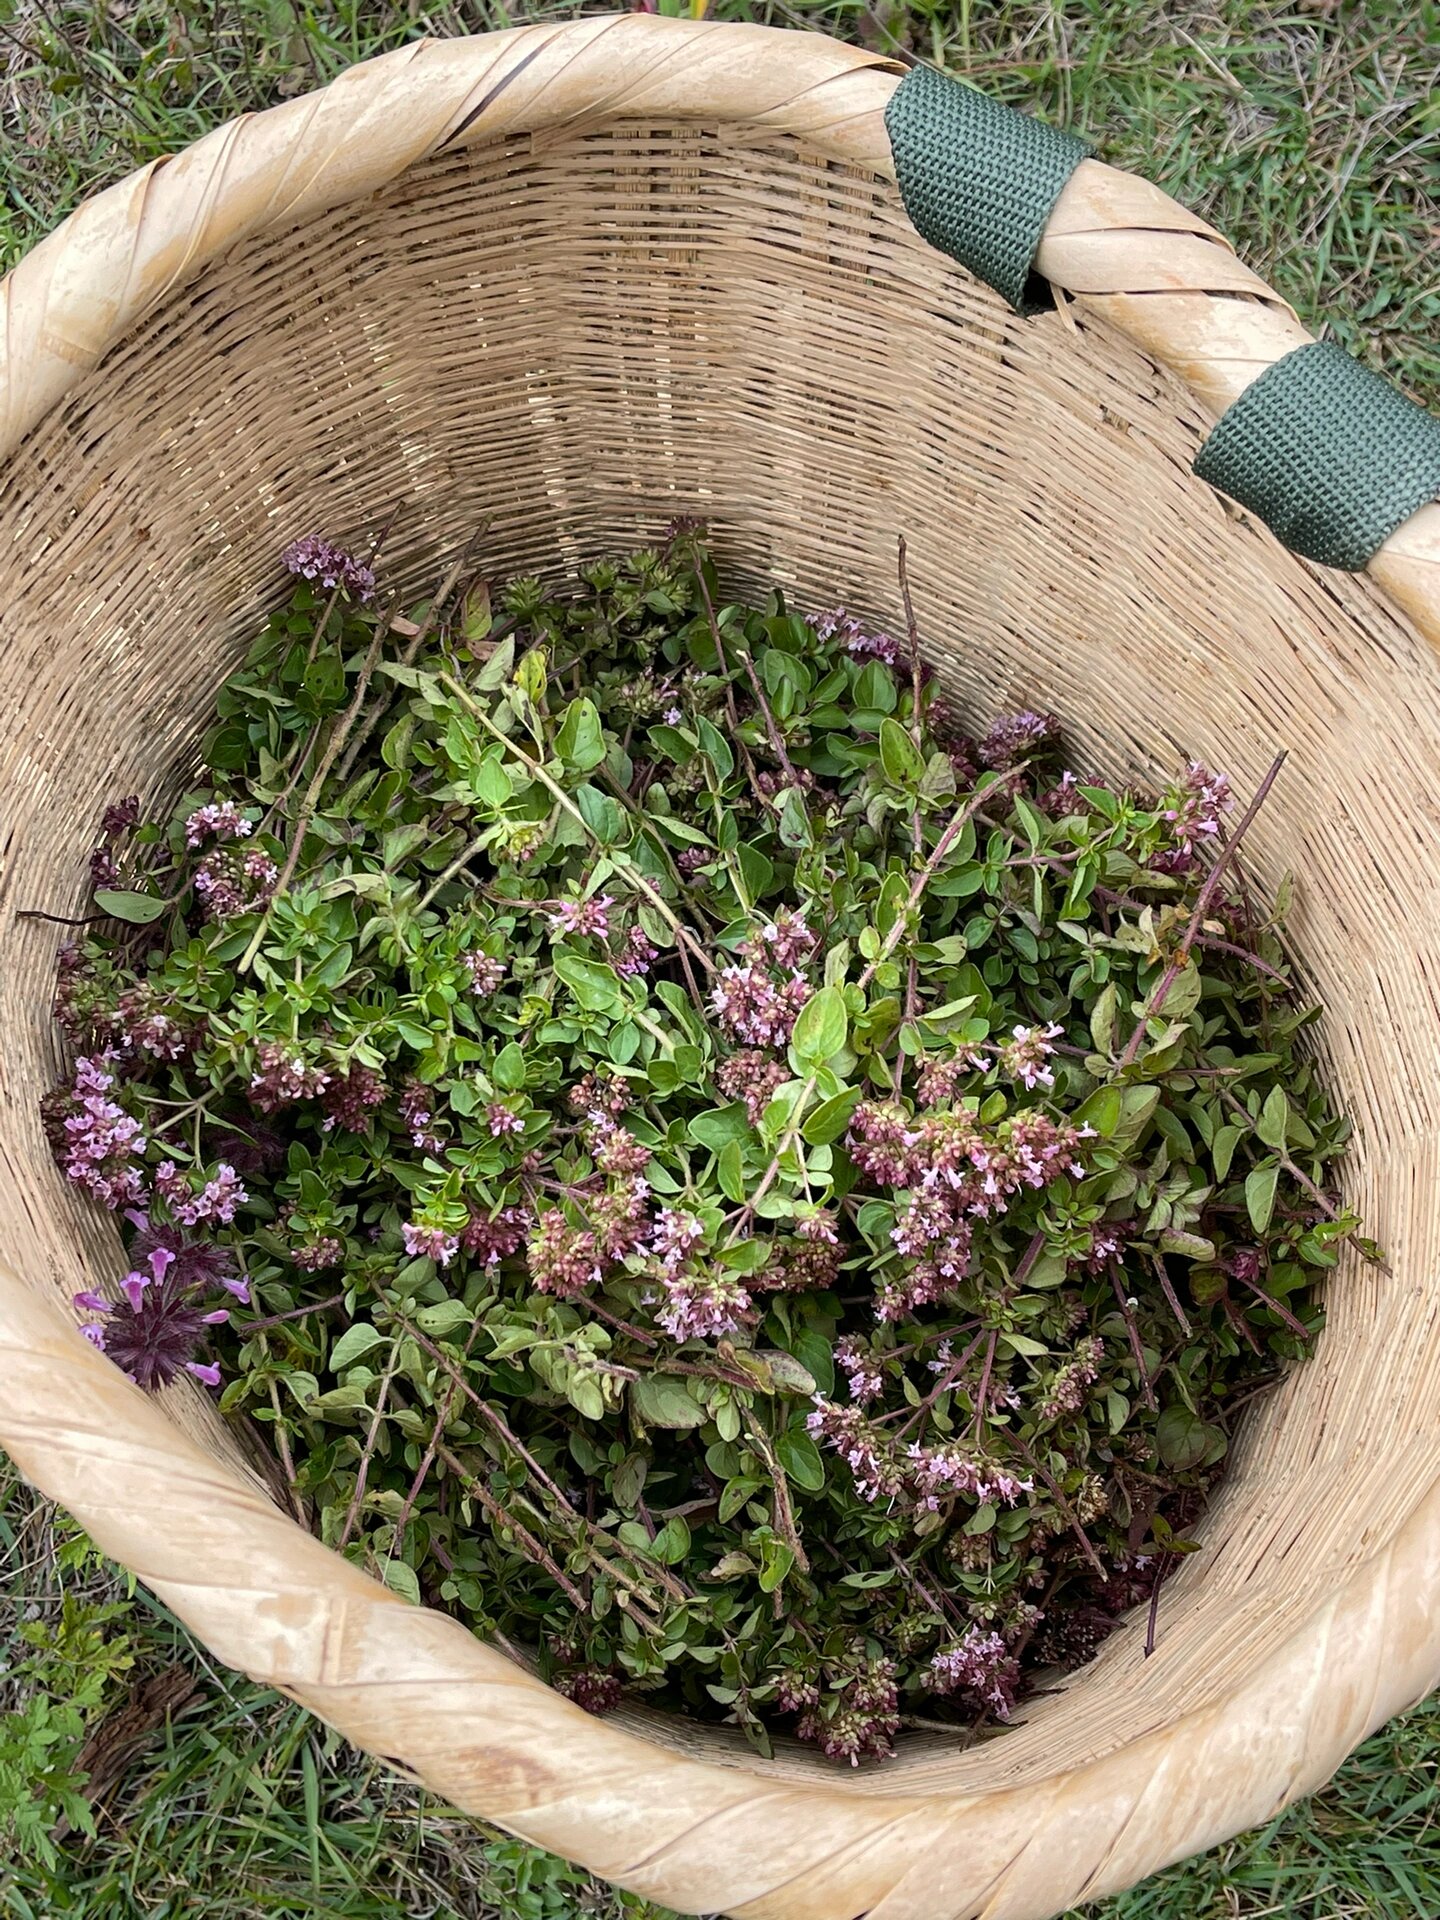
(1329, 455)
(978, 179)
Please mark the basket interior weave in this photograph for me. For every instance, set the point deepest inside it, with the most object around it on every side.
(576, 337)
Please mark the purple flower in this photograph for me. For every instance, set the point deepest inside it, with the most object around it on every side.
(283, 1076)
(981, 1664)
(102, 1143)
(1015, 736)
(315, 558)
(485, 972)
(417, 1112)
(351, 1097)
(501, 1121)
(562, 1259)
(672, 1237)
(491, 1238)
(217, 1199)
(432, 1243)
(220, 820)
(590, 917)
(855, 636)
(702, 1306)
(754, 1077)
(233, 880)
(1196, 805)
(636, 957)
(317, 1254)
(154, 1330)
(1026, 1054)
(752, 1007)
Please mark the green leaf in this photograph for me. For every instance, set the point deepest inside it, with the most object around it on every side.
(140, 909)
(662, 1400)
(596, 987)
(730, 1169)
(583, 1392)
(787, 1373)
(1222, 1151)
(353, 1344)
(800, 1457)
(672, 1542)
(402, 1580)
(1274, 1121)
(627, 1482)
(1102, 1021)
(821, 1028)
(898, 755)
(776, 1560)
(492, 785)
(831, 1117)
(718, 1126)
(1183, 1438)
(716, 748)
(735, 1495)
(444, 1317)
(508, 1072)
(498, 668)
(580, 741)
(1260, 1195)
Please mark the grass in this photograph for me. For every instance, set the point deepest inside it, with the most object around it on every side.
(1306, 133)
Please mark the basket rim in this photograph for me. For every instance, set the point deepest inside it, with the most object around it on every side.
(1116, 246)
(274, 1601)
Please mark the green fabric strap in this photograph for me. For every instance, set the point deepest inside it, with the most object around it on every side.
(1329, 455)
(978, 179)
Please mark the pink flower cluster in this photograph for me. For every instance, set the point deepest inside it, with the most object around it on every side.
(351, 1097)
(758, 998)
(941, 1076)
(753, 1077)
(282, 1078)
(981, 1664)
(502, 1121)
(1197, 804)
(314, 1255)
(591, 1688)
(562, 1259)
(1026, 1054)
(220, 820)
(590, 917)
(1016, 735)
(615, 1149)
(1070, 1388)
(485, 972)
(863, 1722)
(491, 1238)
(856, 637)
(141, 1016)
(231, 881)
(943, 1473)
(927, 1478)
(417, 1113)
(313, 557)
(432, 1243)
(217, 1199)
(154, 1330)
(864, 1374)
(636, 957)
(702, 1305)
(103, 1143)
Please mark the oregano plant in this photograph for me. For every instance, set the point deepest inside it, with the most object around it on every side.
(749, 1193)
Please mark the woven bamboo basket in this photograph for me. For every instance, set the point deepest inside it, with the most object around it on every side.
(573, 280)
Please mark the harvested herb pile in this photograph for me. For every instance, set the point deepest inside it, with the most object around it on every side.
(726, 1182)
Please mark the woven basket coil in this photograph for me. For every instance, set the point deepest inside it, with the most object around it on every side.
(574, 280)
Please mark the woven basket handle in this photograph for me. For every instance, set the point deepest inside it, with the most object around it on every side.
(1330, 456)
